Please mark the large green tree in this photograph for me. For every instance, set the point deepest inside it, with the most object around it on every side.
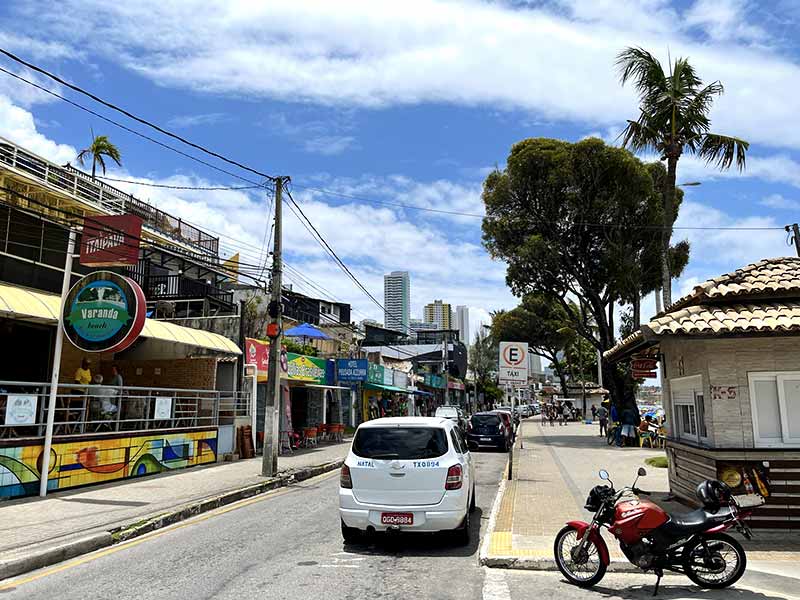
(674, 108)
(561, 216)
(483, 364)
(101, 146)
(539, 321)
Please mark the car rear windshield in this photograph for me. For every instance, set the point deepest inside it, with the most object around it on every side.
(484, 420)
(400, 443)
(446, 411)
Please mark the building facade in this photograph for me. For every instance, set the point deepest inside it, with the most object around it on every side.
(462, 323)
(397, 301)
(439, 312)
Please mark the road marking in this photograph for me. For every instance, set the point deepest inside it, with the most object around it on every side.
(14, 583)
(495, 586)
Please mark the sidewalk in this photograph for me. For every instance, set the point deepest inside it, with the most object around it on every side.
(32, 525)
(553, 474)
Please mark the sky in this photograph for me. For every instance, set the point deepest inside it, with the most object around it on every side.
(408, 102)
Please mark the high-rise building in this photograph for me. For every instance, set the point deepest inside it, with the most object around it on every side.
(397, 301)
(462, 324)
(440, 313)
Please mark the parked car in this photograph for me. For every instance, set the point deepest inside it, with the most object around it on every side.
(507, 409)
(508, 422)
(488, 429)
(525, 411)
(455, 414)
(409, 474)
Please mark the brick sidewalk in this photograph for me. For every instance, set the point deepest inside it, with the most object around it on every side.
(553, 474)
(34, 522)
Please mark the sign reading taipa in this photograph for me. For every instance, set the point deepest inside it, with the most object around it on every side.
(111, 240)
(104, 312)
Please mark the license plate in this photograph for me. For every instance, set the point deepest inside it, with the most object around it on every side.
(397, 518)
(486, 439)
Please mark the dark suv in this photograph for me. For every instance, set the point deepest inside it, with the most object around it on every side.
(488, 429)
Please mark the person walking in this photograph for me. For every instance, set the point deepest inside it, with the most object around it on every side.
(552, 415)
(566, 413)
(594, 412)
(602, 415)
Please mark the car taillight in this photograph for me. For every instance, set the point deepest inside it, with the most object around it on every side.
(469, 425)
(454, 478)
(344, 478)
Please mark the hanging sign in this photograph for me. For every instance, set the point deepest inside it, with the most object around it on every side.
(644, 374)
(111, 240)
(643, 364)
(104, 312)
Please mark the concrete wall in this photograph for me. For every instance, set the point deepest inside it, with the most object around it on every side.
(726, 363)
(227, 326)
(186, 373)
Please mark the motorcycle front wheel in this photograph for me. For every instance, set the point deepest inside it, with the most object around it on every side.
(584, 568)
(715, 561)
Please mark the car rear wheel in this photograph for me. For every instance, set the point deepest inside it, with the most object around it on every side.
(350, 534)
(472, 501)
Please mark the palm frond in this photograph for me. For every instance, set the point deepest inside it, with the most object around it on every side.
(724, 150)
(639, 137)
(644, 69)
(81, 158)
(101, 162)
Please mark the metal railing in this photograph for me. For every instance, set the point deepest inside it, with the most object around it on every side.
(179, 287)
(78, 184)
(82, 409)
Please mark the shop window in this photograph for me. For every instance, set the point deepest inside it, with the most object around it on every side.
(689, 410)
(775, 405)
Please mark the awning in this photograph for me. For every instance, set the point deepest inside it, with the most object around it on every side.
(388, 388)
(327, 387)
(40, 307)
(420, 393)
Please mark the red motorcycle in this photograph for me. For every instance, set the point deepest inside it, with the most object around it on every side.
(693, 544)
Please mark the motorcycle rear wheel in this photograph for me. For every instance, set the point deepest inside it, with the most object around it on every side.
(585, 572)
(697, 564)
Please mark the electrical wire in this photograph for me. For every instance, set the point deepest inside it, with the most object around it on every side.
(130, 115)
(180, 187)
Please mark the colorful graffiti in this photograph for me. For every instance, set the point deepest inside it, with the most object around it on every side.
(84, 462)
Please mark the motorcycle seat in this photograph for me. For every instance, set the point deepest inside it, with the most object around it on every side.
(694, 522)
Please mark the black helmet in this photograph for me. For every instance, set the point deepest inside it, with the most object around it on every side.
(712, 493)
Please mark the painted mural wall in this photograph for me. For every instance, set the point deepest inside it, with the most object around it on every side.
(83, 462)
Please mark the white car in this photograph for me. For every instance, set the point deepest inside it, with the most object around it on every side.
(409, 474)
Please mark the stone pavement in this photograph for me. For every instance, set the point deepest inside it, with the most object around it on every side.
(553, 473)
(32, 522)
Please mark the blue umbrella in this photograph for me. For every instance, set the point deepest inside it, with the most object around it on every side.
(307, 331)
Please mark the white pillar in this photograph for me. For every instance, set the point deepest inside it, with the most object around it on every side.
(51, 406)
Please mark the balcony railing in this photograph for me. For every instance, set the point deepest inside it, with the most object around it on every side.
(78, 184)
(100, 408)
(178, 287)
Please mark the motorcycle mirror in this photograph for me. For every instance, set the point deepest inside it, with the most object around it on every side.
(641, 472)
(604, 475)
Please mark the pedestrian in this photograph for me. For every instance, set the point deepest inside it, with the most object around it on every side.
(630, 421)
(616, 424)
(552, 415)
(602, 415)
(566, 413)
(594, 412)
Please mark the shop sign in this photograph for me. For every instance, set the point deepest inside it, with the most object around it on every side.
(434, 381)
(109, 241)
(375, 373)
(256, 352)
(21, 409)
(643, 364)
(104, 312)
(388, 376)
(400, 380)
(352, 369)
(644, 374)
(455, 385)
(163, 409)
(746, 478)
(305, 368)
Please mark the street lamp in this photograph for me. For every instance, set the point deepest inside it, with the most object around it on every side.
(690, 184)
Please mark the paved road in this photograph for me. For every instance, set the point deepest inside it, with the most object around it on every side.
(285, 545)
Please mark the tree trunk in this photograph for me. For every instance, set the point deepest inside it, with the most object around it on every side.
(611, 306)
(94, 165)
(637, 311)
(562, 379)
(658, 301)
(669, 211)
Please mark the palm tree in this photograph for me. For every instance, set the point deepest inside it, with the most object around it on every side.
(99, 148)
(674, 119)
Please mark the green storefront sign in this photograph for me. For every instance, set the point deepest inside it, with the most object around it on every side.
(434, 381)
(375, 374)
(305, 368)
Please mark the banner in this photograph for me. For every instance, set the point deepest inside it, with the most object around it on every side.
(306, 368)
(110, 241)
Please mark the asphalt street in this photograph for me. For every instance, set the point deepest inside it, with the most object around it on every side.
(287, 545)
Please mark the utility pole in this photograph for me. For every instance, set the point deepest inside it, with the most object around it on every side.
(269, 464)
(795, 235)
(445, 344)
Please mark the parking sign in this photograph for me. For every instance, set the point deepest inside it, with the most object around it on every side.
(513, 362)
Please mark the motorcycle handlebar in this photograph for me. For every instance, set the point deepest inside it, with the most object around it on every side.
(642, 492)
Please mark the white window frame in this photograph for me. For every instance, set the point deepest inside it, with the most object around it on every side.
(697, 390)
(778, 377)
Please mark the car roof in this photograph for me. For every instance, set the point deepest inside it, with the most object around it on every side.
(407, 421)
(485, 412)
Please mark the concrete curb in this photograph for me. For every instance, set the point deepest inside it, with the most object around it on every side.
(39, 558)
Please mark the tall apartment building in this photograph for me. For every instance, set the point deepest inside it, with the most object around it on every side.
(462, 324)
(440, 313)
(397, 301)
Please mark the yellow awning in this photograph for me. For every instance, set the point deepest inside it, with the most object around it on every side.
(40, 307)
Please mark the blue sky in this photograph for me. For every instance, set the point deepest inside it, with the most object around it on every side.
(407, 102)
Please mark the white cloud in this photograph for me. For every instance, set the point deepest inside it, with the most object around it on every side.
(183, 121)
(724, 20)
(18, 125)
(329, 145)
(316, 136)
(775, 168)
(779, 202)
(362, 53)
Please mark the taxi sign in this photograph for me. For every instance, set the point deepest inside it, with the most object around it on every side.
(513, 362)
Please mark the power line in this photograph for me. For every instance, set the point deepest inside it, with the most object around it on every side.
(180, 187)
(130, 115)
(126, 128)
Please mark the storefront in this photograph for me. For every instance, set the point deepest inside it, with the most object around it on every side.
(352, 373)
(434, 386)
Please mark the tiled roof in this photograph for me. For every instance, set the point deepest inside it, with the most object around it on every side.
(728, 318)
(768, 277)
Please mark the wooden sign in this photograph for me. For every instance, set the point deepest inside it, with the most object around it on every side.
(643, 364)
(644, 374)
